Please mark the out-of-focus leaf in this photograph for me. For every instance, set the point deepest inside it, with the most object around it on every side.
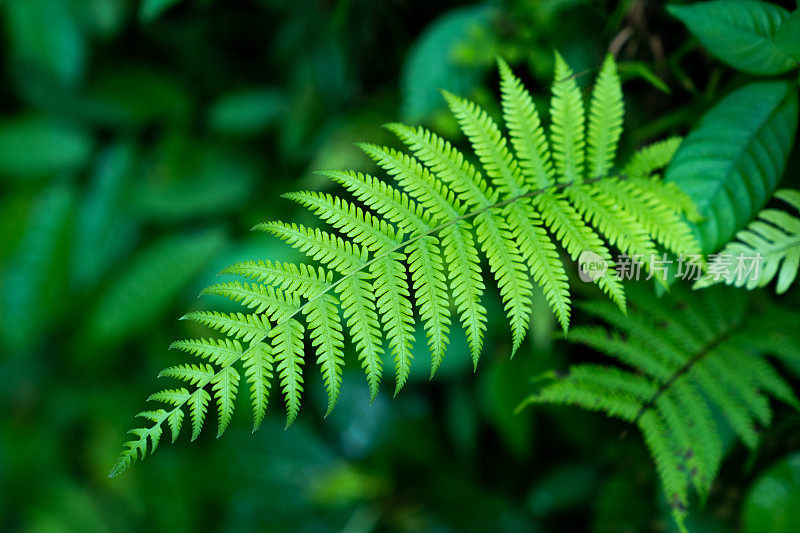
(562, 488)
(444, 58)
(13, 209)
(152, 9)
(247, 112)
(788, 37)
(773, 503)
(639, 69)
(194, 180)
(147, 286)
(620, 505)
(502, 384)
(104, 18)
(131, 96)
(739, 32)
(38, 146)
(28, 285)
(104, 230)
(46, 39)
(731, 163)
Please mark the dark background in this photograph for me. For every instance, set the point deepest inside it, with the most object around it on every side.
(137, 149)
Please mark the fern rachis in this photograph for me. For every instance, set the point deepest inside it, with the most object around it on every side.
(435, 226)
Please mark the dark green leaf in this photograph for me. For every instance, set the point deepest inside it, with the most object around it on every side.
(37, 146)
(788, 37)
(47, 40)
(739, 32)
(773, 503)
(150, 283)
(435, 61)
(246, 112)
(152, 9)
(731, 163)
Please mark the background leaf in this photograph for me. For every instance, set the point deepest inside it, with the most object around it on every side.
(148, 285)
(444, 58)
(35, 146)
(152, 9)
(731, 163)
(739, 32)
(788, 37)
(773, 503)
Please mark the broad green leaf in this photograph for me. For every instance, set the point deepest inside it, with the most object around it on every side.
(773, 503)
(739, 32)
(46, 40)
(152, 9)
(31, 283)
(731, 163)
(437, 60)
(37, 146)
(128, 96)
(247, 112)
(788, 37)
(104, 228)
(192, 179)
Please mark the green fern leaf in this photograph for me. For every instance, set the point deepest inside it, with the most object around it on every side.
(688, 352)
(767, 249)
(258, 369)
(325, 331)
(525, 129)
(198, 406)
(567, 135)
(287, 339)
(416, 243)
(358, 306)
(225, 384)
(237, 325)
(605, 120)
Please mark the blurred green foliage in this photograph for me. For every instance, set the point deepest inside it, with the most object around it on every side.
(141, 141)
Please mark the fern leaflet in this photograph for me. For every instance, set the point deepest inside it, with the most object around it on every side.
(768, 248)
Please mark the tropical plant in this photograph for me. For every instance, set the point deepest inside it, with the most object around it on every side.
(689, 355)
(443, 213)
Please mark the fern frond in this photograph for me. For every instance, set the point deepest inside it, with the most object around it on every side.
(237, 325)
(767, 249)
(358, 307)
(292, 278)
(395, 248)
(430, 286)
(325, 331)
(273, 303)
(225, 385)
(258, 366)
(336, 253)
(605, 120)
(678, 371)
(287, 343)
(394, 306)
(526, 131)
(567, 134)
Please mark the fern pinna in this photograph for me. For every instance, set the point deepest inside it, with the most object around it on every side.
(768, 248)
(443, 210)
(687, 352)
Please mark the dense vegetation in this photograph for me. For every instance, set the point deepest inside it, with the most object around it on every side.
(141, 140)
